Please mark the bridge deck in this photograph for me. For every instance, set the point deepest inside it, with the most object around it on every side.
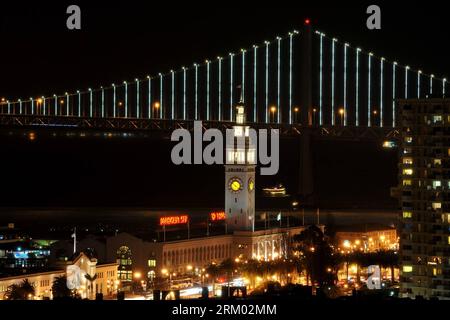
(164, 125)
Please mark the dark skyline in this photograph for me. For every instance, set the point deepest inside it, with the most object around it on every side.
(40, 56)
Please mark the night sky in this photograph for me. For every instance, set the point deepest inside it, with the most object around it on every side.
(40, 56)
(121, 41)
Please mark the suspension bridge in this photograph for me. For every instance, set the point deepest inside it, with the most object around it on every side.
(305, 79)
(305, 83)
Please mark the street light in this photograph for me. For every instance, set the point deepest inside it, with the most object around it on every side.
(156, 106)
(296, 110)
(341, 113)
(38, 104)
(273, 109)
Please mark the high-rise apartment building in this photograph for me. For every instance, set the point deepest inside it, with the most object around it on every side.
(425, 197)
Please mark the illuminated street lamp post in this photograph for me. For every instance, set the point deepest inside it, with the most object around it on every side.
(296, 110)
(273, 109)
(314, 116)
(38, 104)
(341, 113)
(156, 107)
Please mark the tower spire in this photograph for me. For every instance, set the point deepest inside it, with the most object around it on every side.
(240, 114)
(241, 99)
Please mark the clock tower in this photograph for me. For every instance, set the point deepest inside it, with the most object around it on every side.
(240, 176)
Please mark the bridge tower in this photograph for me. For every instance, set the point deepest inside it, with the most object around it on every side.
(306, 108)
(240, 177)
(306, 186)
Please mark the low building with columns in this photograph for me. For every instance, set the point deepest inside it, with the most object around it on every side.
(101, 278)
(138, 258)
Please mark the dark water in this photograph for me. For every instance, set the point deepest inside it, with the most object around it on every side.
(65, 169)
(58, 223)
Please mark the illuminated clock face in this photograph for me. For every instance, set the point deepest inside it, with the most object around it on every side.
(251, 184)
(235, 185)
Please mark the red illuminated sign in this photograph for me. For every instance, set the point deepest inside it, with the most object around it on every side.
(173, 220)
(216, 216)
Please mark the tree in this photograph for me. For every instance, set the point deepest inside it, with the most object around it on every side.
(252, 269)
(387, 259)
(318, 255)
(60, 289)
(227, 267)
(22, 291)
(214, 271)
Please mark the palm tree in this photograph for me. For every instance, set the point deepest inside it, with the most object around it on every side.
(311, 244)
(252, 269)
(22, 291)
(388, 259)
(214, 271)
(227, 268)
(60, 289)
(91, 279)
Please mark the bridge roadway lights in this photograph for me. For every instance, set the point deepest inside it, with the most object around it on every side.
(165, 127)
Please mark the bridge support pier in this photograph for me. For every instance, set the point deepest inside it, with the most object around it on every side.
(306, 169)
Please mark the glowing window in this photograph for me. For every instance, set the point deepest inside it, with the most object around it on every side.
(407, 214)
(407, 183)
(408, 139)
(437, 118)
(408, 172)
(436, 205)
(407, 268)
(437, 162)
(151, 262)
(407, 161)
(437, 184)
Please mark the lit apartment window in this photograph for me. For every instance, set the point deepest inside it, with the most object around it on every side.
(408, 172)
(437, 162)
(408, 151)
(445, 217)
(436, 205)
(408, 139)
(437, 118)
(407, 214)
(437, 184)
(407, 183)
(407, 268)
(151, 262)
(407, 161)
(448, 240)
